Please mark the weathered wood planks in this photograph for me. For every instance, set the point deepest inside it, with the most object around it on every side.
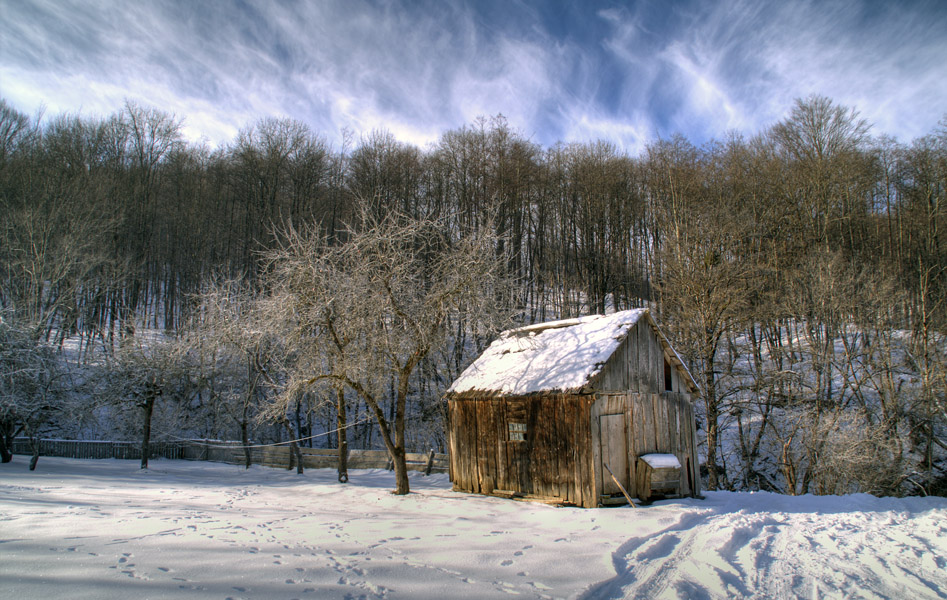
(559, 442)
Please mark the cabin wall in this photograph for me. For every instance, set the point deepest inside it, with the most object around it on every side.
(637, 365)
(654, 423)
(677, 382)
(664, 423)
(553, 460)
(567, 440)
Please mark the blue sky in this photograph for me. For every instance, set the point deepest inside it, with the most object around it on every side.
(628, 72)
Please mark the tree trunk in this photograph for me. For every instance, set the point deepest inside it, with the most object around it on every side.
(399, 455)
(401, 472)
(713, 418)
(343, 438)
(299, 418)
(712, 426)
(253, 379)
(394, 446)
(149, 409)
(245, 440)
(6, 442)
(294, 450)
(34, 446)
(35, 458)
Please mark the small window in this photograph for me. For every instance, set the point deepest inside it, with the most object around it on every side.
(668, 383)
(517, 432)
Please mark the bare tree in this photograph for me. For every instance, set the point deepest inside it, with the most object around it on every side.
(33, 388)
(14, 127)
(366, 313)
(705, 273)
(232, 336)
(145, 369)
(55, 231)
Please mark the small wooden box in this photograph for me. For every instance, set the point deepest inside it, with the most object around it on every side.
(658, 474)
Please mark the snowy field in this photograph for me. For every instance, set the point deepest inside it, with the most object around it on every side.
(104, 529)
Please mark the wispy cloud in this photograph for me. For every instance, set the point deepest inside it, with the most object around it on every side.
(557, 72)
(739, 65)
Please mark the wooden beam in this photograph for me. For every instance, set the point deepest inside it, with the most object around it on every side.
(620, 486)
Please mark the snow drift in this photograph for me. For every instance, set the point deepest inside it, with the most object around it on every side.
(104, 529)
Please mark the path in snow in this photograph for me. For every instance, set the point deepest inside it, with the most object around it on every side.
(771, 546)
(104, 529)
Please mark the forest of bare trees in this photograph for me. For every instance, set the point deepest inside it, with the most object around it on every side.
(151, 284)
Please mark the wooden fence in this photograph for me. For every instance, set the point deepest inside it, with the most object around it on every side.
(100, 449)
(228, 452)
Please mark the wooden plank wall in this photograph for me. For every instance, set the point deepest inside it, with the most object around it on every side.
(562, 454)
(655, 423)
(664, 423)
(689, 438)
(621, 371)
(646, 366)
(637, 365)
(554, 461)
(677, 384)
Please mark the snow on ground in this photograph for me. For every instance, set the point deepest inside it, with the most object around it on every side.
(104, 529)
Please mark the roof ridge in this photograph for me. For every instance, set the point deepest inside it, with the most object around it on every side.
(548, 325)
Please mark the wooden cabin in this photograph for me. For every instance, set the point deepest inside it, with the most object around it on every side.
(546, 408)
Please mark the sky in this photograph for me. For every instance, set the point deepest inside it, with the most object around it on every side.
(626, 72)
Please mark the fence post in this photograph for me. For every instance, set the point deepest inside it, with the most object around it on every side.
(430, 463)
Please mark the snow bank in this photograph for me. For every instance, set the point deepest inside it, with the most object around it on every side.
(104, 529)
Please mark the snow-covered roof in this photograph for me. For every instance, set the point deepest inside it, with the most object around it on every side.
(556, 356)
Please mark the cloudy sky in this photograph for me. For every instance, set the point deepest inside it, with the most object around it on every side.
(628, 72)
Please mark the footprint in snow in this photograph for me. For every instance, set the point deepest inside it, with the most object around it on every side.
(539, 585)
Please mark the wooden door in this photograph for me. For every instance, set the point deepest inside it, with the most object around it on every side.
(614, 452)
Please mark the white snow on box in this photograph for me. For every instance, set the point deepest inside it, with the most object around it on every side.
(662, 461)
(556, 356)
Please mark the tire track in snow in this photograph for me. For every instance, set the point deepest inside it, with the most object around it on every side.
(749, 554)
(634, 568)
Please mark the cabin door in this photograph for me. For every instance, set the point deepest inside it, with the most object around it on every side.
(614, 453)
